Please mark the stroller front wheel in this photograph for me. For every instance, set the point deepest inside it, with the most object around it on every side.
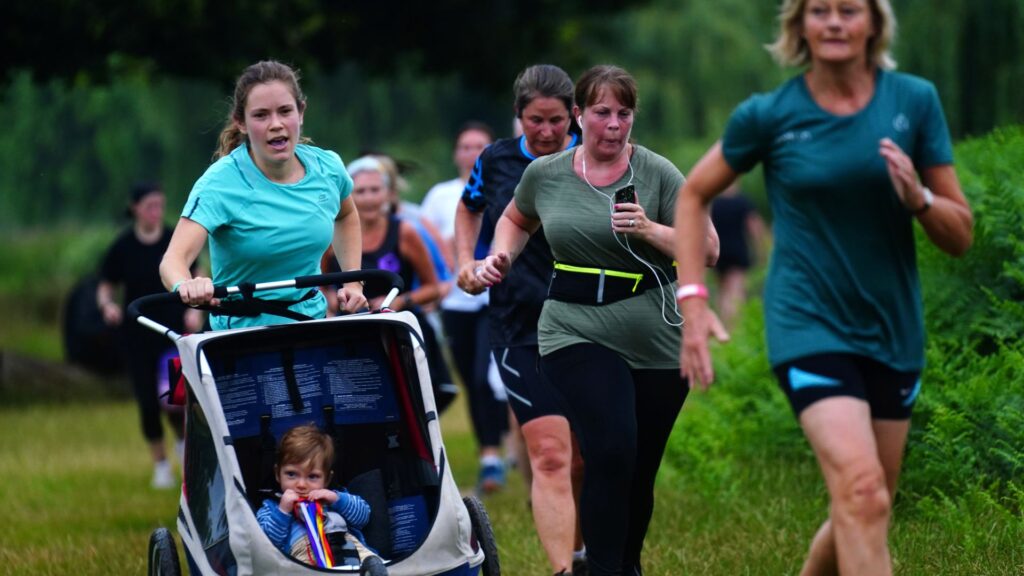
(483, 533)
(163, 554)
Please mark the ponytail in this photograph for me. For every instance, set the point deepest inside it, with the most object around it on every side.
(230, 138)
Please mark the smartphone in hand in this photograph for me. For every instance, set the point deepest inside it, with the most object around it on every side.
(626, 194)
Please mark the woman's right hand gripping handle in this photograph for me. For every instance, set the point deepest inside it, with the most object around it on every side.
(197, 292)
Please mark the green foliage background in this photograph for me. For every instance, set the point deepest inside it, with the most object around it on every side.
(72, 147)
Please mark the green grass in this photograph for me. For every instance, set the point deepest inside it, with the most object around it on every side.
(76, 491)
(75, 486)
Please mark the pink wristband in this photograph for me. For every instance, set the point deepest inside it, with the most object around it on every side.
(691, 291)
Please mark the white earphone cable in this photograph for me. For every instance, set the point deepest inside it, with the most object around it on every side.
(654, 269)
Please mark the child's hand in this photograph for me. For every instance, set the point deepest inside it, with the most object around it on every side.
(323, 495)
(288, 500)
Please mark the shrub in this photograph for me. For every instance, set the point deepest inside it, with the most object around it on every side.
(978, 300)
(742, 418)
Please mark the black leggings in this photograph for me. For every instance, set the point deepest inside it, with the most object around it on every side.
(468, 336)
(143, 354)
(622, 418)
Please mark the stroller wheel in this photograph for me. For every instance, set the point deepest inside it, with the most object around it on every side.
(163, 554)
(483, 535)
(373, 566)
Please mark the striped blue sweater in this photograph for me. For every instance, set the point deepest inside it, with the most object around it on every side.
(283, 529)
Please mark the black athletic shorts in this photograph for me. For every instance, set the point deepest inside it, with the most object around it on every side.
(890, 393)
(528, 395)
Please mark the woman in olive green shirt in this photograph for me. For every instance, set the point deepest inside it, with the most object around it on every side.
(608, 333)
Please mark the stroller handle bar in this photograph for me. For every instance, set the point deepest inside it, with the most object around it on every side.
(136, 310)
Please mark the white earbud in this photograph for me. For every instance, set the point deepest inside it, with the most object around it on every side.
(579, 119)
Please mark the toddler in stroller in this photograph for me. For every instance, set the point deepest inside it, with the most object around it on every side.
(305, 459)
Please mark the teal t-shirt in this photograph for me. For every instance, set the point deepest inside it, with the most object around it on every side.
(843, 275)
(262, 231)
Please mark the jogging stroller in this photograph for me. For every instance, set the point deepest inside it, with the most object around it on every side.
(364, 379)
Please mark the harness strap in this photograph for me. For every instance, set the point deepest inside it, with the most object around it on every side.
(288, 364)
(249, 306)
(268, 456)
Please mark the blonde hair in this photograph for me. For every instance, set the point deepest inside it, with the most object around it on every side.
(790, 48)
(259, 73)
(370, 164)
(306, 443)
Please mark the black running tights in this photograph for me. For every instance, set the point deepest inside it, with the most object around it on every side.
(469, 339)
(622, 418)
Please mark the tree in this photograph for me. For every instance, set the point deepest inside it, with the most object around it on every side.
(95, 40)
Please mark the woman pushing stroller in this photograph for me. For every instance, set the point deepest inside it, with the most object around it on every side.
(270, 205)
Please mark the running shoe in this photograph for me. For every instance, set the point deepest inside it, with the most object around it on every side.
(492, 478)
(163, 476)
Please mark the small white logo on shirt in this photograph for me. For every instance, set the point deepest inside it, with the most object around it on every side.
(901, 123)
(793, 135)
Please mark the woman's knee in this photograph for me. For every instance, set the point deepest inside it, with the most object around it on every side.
(550, 454)
(862, 495)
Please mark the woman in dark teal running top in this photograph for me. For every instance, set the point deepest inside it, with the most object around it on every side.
(843, 146)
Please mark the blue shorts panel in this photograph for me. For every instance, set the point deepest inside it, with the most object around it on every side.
(890, 393)
(528, 395)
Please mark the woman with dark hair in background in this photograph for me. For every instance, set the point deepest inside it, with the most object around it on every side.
(843, 146)
(270, 205)
(543, 102)
(132, 263)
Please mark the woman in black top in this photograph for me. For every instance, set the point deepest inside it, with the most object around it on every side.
(132, 263)
(543, 102)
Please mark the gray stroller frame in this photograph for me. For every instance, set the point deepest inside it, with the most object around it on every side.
(361, 377)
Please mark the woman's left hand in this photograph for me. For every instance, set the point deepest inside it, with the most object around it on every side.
(350, 297)
(903, 175)
(631, 219)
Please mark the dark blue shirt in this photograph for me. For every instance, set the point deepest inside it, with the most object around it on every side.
(516, 302)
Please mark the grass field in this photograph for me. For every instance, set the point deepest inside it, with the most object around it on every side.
(77, 500)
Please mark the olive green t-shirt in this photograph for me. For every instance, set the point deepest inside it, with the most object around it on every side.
(577, 224)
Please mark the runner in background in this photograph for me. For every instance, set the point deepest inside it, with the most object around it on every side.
(465, 317)
(543, 103)
(741, 234)
(131, 266)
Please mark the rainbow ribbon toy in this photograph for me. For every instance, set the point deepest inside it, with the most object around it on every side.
(311, 514)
